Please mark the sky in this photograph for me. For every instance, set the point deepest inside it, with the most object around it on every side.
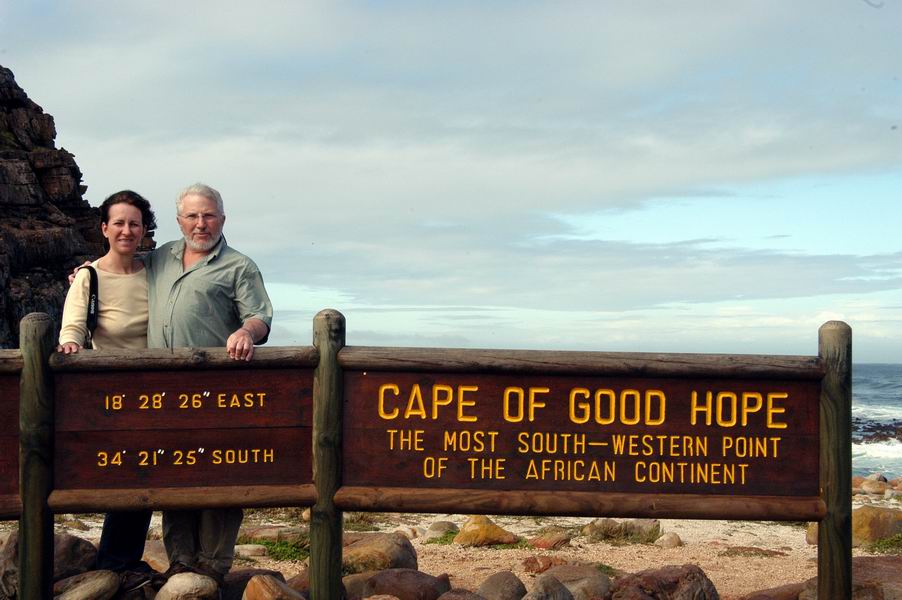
(644, 176)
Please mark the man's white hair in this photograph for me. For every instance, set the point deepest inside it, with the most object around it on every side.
(200, 189)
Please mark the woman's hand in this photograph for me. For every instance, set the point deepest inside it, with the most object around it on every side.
(68, 348)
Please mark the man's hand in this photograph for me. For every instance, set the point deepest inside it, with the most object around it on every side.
(72, 279)
(240, 345)
(68, 348)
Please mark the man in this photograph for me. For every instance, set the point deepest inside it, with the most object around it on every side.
(201, 293)
(204, 293)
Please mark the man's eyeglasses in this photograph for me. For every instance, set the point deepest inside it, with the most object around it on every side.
(202, 216)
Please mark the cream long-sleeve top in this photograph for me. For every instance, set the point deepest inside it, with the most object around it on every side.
(122, 310)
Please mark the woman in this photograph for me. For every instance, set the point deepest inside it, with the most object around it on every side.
(121, 324)
(122, 284)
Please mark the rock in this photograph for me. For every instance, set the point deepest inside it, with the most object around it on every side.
(896, 483)
(236, 581)
(411, 532)
(667, 583)
(857, 480)
(305, 516)
(584, 581)
(46, 226)
(439, 528)
(638, 530)
(460, 594)
(551, 540)
(876, 477)
(249, 550)
(291, 535)
(93, 585)
(300, 582)
(873, 486)
(72, 555)
(540, 564)
(669, 540)
(155, 555)
(189, 586)
(872, 523)
(406, 584)
(9, 565)
(503, 585)
(873, 577)
(378, 551)
(790, 591)
(267, 587)
(811, 533)
(481, 531)
(354, 584)
(547, 587)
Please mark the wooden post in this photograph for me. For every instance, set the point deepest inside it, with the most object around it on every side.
(325, 518)
(834, 550)
(35, 458)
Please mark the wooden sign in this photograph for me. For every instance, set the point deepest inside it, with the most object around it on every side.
(9, 445)
(164, 429)
(583, 434)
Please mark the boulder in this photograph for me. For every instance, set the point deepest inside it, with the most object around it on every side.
(72, 555)
(874, 486)
(236, 581)
(872, 523)
(155, 555)
(547, 587)
(551, 540)
(250, 550)
(669, 540)
(460, 594)
(189, 586)
(790, 591)
(300, 582)
(406, 584)
(355, 583)
(638, 530)
(540, 564)
(272, 533)
(667, 583)
(584, 581)
(481, 531)
(503, 585)
(873, 577)
(411, 532)
(93, 585)
(267, 587)
(439, 528)
(377, 551)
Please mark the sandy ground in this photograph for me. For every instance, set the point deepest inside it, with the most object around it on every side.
(738, 556)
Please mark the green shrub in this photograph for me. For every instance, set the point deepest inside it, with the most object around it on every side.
(890, 545)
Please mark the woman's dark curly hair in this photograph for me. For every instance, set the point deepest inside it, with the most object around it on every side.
(129, 197)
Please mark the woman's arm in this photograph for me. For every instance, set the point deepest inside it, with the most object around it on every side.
(75, 330)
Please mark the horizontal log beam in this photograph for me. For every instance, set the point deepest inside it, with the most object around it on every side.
(183, 358)
(10, 361)
(10, 508)
(182, 498)
(633, 364)
(586, 504)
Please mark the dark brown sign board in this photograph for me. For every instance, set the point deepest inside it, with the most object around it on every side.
(589, 434)
(575, 433)
(9, 445)
(170, 435)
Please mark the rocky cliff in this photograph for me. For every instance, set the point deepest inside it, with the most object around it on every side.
(46, 226)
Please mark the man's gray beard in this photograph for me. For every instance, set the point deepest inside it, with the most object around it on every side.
(201, 247)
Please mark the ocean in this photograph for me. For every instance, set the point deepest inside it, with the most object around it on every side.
(877, 420)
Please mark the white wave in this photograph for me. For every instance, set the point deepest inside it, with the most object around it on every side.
(879, 412)
(879, 457)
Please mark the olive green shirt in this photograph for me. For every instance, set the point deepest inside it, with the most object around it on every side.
(204, 305)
